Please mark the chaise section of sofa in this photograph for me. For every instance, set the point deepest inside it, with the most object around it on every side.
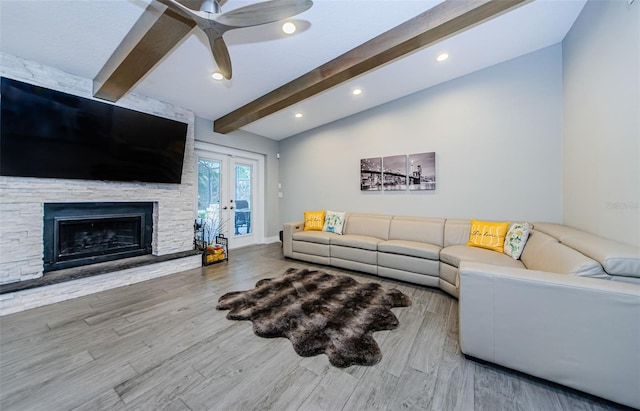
(577, 331)
(619, 262)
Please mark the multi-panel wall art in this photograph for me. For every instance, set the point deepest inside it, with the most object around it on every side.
(399, 173)
(371, 174)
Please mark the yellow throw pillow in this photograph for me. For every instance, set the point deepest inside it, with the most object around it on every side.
(488, 234)
(313, 220)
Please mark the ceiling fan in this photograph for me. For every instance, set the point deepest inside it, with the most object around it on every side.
(215, 23)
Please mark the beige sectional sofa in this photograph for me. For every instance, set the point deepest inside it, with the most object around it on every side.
(568, 311)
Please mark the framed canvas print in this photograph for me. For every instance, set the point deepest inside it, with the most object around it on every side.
(371, 174)
(394, 173)
(422, 171)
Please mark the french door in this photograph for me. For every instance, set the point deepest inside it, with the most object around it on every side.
(227, 197)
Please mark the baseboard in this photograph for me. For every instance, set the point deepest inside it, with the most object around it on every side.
(271, 240)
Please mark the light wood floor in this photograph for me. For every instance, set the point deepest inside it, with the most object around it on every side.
(161, 345)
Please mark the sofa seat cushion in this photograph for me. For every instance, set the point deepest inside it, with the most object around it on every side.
(408, 264)
(319, 237)
(410, 248)
(456, 254)
(356, 241)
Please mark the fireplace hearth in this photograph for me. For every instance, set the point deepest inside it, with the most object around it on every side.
(77, 234)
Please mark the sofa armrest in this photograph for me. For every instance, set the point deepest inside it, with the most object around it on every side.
(287, 236)
(580, 332)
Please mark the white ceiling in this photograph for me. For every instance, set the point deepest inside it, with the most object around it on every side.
(78, 36)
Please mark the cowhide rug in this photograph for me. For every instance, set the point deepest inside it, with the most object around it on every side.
(319, 313)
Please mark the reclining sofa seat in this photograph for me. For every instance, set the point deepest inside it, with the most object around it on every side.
(412, 252)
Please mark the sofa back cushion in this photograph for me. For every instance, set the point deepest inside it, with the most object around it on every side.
(616, 258)
(456, 232)
(371, 225)
(419, 229)
(545, 253)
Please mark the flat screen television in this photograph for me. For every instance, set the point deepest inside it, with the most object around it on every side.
(49, 134)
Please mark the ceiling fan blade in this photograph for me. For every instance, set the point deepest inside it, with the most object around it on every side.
(263, 13)
(220, 53)
(201, 18)
(179, 8)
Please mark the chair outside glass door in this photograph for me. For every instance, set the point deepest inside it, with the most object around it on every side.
(243, 194)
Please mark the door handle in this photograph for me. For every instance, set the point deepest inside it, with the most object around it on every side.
(224, 208)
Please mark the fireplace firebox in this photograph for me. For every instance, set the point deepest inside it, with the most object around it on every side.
(77, 234)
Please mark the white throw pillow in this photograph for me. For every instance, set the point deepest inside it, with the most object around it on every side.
(334, 222)
(516, 239)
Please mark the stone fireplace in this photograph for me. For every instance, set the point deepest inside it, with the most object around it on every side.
(24, 250)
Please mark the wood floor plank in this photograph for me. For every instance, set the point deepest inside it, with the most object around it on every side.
(414, 391)
(373, 391)
(428, 345)
(161, 344)
(396, 347)
(69, 389)
(40, 372)
(160, 389)
(454, 381)
(176, 405)
(107, 401)
(249, 383)
(495, 391)
(332, 391)
(289, 392)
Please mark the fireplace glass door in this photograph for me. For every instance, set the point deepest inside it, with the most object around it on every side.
(89, 237)
(77, 234)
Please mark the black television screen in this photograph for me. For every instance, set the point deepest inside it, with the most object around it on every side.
(49, 134)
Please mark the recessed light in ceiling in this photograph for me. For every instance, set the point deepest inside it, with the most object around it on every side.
(217, 76)
(298, 115)
(289, 27)
(356, 91)
(442, 57)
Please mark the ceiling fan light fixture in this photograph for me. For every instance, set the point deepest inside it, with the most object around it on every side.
(216, 75)
(289, 27)
(442, 57)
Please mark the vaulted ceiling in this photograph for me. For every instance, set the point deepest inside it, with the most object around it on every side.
(79, 37)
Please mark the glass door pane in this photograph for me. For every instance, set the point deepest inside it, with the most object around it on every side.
(244, 198)
(209, 196)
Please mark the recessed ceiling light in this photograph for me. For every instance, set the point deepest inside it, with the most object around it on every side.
(298, 115)
(217, 75)
(356, 91)
(442, 57)
(289, 27)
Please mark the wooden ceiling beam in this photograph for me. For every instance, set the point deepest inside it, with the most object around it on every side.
(154, 35)
(436, 24)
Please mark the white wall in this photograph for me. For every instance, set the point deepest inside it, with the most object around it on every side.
(601, 130)
(253, 143)
(496, 134)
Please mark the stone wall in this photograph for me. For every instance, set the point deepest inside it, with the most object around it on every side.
(22, 199)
